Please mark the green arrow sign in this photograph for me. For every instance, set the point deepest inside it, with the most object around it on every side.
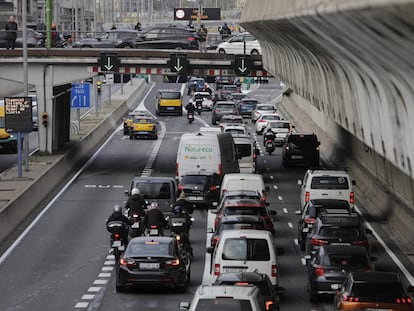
(178, 63)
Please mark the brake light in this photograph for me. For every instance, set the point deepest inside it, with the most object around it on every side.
(242, 283)
(268, 304)
(351, 197)
(180, 187)
(217, 110)
(307, 196)
(123, 262)
(360, 243)
(174, 262)
(319, 270)
(318, 242)
(310, 220)
(274, 271)
(176, 169)
(154, 227)
(220, 170)
(217, 269)
(215, 240)
(403, 300)
(191, 39)
(261, 121)
(212, 188)
(117, 236)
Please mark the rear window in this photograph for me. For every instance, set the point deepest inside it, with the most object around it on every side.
(225, 106)
(245, 211)
(194, 179)
(154, 190)
(229, 88)
(234, 131)
(377, 292)
(149, 249)
(170, 95)
(245, 150)
(240, 226)
(279, 125)
(271, 117)
(265, 108)
(330, 182)
(245, 249)
(303, 140)
(222, 303)
(340, 231)
(344, 260)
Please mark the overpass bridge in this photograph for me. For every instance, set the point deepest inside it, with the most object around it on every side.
(350, 66)
(52, 71)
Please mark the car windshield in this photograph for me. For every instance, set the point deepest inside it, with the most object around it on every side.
(377, 292)
(170, 95)
(194, 179)
(330, 182)
(340, 231)
(140, 249)
(271, 117)
(279, 125)
(223, 304)
(265, 108)
(246, 249)
(154, 190)
(344, 260)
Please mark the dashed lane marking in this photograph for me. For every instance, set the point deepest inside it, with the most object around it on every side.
(81, 305)
(290, 225)
(271, 177)
(285, 210)
(107, 268)
(100, 282)
(280, 198)
(275, 187)
(94, 289)
(88, 297)
(104, 275)
(296, 241)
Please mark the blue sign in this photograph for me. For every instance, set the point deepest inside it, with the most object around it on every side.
(80, 95)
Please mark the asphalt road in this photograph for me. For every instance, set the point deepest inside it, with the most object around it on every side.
(63, 262)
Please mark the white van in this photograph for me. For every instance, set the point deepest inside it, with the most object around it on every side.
(245, 251)
(246, 153)
(206, 152)
(240, 181)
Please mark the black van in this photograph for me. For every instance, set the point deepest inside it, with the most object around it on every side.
(301, 148)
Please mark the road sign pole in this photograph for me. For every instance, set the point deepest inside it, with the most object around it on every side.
(19, 154)
(109, 95)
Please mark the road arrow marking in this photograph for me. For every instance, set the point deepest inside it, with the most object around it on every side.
(108, 65)
(243, 68)
(178, 67)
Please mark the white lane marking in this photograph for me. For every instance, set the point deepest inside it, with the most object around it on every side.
(110, 257)
(207, 277)
(296, 241)
(290, 225)
(81, 305)
(90, 186)
(100, 282)
(271, 177)
(104, 275)
(118, 186)
(394, 258)
(285, 210)
(109, 262)
(303, 260)
(280, 198)
(107, 268)
(88, 297)
(156, 147)
(275, 187)
(94, 289)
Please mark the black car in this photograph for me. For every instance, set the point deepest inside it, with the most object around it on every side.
(246, 106)
(117, 38)
(301, 148)
(312, 209)
(153, 261)
(260, 280)
(201, 188)
(236, 222)
(329, 266)
(167, 38)
(337, 230)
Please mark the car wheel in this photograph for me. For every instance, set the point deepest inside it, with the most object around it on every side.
(86, 46)
(120, 288)
(313, 297)
(254, 52)
(155, 137)
(131, 137)
(222, 51)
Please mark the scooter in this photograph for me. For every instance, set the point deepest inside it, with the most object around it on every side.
(152, 231)
(270, 146)
(190, 117)
(116, 228)
(135, 229)
(199, 106)
(180, 231)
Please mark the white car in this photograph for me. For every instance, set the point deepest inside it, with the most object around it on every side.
(326, 184)
(207, 100)
(234, 129)
(281, 129)
(262, 108)
(264, 119)
(237, 43)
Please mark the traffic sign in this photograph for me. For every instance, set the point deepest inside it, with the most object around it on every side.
(109, 62)
(189, 14)
(18, 114)
(80, 95)
(178, 63)
(242, 65)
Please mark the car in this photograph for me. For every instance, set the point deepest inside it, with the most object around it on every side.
(301, 148)
(312, 209)
(329, 265)
(246, 106)
(160, 37)
(264, 120)
(237, 96)
(373, 291)
(169, 101)
(260, 280)
(207, 100)
(226, 90)
(246, 150)
(234, 129)
(260, 109)
(327, 184)
(200, 188)
(239, 194)
(230, 119)
(338, 229)
(222, 108)
(236, 222)
(223, 80)
(116, 38)
(242, 43)
(33, 39)
(245, 207)
(281, 128)
(195, 84)
(153, 261)
(239, 181)
(127, 121)
(211, 297)
(143, 127)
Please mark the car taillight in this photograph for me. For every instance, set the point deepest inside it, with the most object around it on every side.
(318, 242)
(180, 187)
(176, 169)
(351, 299)
(154, 227)
(217, 269)
(212, 188)
(361, 243)
(268, 304)
(261, 121)
(351, 197)
(191, 39)
(403, 300)
(174, 262)
(310, 220)
(220, 170)
(217, 110)
(215, 240)
(117, 236)
(319, 270)
(307, 196)
(274, 271)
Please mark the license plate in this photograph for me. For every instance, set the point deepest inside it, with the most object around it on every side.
(234, 270)
(269, 145)
(191, 198)
(116, 243)
(141, 132)
(297, 157)
(135, 225)
(340, 243)
(170, 108)
(177, 224)
(149, 265)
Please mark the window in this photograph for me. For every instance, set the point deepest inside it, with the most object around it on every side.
(223, 304)
(340, 231)
(330, 182)
(194, 179)
(170, 95)
(344, 260)
(154, 190)
(150, 249)
(377, 292)
(246, 249)
(244, 150)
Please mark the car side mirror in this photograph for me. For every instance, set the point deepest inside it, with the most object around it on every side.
(267, 204)
(184, 305)
(336, 286)
(210, 230)
(214, 211)
(319, 143)
(410, 289)
(273, 213)
(210, 250)
(305, 230)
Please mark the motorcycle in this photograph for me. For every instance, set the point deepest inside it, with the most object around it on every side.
(270, 146)
(199, 106)
(117, 228)
(180, 231)
(135, 229)
(190, 117)
(152, 231)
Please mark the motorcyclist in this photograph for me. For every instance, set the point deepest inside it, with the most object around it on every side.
(154, 217)
(180, 213)
(269, 135)
(118, 216)
(186, 205)
(135, 203)
(190, 107)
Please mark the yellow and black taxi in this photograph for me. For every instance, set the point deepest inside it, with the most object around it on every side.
(169, 102)
(130, 118)
(143, 126)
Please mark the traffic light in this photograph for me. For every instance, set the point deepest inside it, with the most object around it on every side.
(45, 119)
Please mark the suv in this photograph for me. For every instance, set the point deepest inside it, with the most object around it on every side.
(312, 210)
(246, 106)
(227, 90)
(117, 38)
(373, 291)
(242, 43)
(301, 149)
(223, 80)
(230, 298)
(201, 188)
(326, 184)
(222, 108)
(167, 38)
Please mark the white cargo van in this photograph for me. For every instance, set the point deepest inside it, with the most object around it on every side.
(235, 182)
(206, 152)
(246, 153)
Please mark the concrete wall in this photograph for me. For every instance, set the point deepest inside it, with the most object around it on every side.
(352, 63)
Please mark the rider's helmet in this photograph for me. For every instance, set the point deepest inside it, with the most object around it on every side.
(177, 210)
(117, 208)
(154, 205)
(135, 191)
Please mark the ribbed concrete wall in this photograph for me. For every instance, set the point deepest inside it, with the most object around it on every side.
(354, 62)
